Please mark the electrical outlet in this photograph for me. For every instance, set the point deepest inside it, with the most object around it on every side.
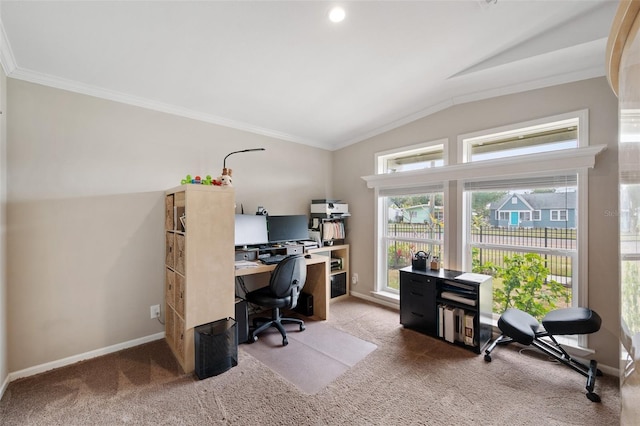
(155, 311)
(354, 278)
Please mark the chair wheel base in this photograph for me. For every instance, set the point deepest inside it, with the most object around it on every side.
(285, 342)
(487, 358)
(593, 397)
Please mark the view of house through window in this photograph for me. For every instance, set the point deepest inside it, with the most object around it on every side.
(520, 224)
(531, 257)
(521, 231)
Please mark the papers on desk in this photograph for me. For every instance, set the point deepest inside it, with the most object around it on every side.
(241, 264)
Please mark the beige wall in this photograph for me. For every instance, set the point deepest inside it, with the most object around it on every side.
(3, 236)
(85, 190)
(85, 179)
(355, 161)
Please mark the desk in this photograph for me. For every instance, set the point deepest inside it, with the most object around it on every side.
(317, 283)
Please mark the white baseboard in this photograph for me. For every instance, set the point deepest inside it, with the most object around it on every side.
(379, 300)
(4, 386)
(31, 371)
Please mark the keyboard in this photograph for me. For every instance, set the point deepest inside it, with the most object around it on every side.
(273, 259)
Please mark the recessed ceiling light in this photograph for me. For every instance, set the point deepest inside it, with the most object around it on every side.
(337, 14)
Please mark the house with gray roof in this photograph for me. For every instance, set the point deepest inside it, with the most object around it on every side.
(537, 210)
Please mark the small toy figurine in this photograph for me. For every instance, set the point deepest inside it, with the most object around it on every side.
(226, 179)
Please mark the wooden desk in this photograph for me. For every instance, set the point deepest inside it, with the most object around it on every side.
(317, 283)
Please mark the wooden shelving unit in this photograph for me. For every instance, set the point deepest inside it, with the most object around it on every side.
(199, 264)
(339, 278)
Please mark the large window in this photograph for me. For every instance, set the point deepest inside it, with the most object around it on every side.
(513, 205)
(524, 231)
(410, 219)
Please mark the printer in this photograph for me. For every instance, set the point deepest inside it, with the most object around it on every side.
(329, 208)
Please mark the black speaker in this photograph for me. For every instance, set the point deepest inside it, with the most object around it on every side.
(305, 304)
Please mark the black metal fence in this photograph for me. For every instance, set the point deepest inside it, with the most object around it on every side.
(560, 266)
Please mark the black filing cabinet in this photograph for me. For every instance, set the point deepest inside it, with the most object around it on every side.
(436, 301)
(418, 302)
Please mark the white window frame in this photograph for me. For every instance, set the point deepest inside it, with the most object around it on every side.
(536, 215)
(382, 215)
(577, 160)
(558, 213)
(580, 292)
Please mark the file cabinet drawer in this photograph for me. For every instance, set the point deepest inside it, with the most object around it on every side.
(418, 302)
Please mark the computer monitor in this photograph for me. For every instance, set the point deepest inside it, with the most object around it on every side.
(250, 230)
(287, 228)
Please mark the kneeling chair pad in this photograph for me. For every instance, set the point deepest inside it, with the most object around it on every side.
(518, 325)
(571, 321)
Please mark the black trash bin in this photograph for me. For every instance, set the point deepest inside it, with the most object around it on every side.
(216, 347)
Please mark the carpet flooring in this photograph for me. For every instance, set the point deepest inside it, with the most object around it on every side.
(410, 379)
(313, 358)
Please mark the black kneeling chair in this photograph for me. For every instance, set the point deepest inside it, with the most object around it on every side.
(285, 286)
(518, 326)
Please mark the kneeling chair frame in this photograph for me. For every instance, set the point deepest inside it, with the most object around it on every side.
(557, 352)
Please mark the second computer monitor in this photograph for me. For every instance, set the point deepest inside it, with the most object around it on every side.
(287, 228)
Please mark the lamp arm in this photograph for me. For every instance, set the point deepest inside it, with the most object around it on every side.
(224, 162)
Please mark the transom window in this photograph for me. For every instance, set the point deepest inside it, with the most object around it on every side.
(422, 156)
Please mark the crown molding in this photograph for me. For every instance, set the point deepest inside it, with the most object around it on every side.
(98, 92)
(6, 54)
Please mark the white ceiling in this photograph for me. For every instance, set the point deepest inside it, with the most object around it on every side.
(282, 69)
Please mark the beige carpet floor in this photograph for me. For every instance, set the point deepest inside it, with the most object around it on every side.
(410, 379)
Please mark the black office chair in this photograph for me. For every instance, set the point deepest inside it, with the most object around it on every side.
(285, 285)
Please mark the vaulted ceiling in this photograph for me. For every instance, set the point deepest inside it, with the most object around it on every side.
(281, 68)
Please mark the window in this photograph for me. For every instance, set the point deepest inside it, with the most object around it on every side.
(539, 236)
(415, 157)
(506, 190)
(558, 215)
(538, 137)
(412, 225)
(525, 217)
(410, 218)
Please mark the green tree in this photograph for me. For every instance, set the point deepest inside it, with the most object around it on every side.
(480, 201)
(630, 290)
(524, 286)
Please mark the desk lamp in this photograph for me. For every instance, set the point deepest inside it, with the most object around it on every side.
(226, 171)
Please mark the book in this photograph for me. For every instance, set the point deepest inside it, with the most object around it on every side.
(460, 324)
(469, 334)
(449, 324)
